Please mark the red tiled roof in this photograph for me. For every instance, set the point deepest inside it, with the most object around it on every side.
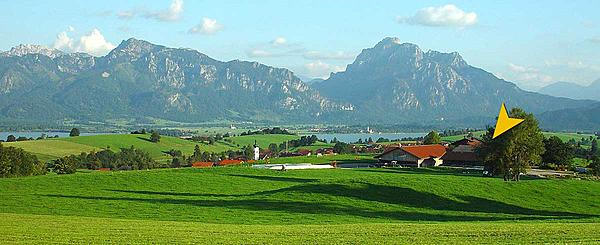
(420, 151)
(425, 151)
(230, 162)
(202, 164)
(466, 141)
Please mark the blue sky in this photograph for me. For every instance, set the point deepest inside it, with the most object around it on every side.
(531, 43)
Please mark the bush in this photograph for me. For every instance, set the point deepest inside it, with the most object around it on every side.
(65, 165)
(15, 162)
(74, 132)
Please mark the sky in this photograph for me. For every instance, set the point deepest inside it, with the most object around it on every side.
(531, 43)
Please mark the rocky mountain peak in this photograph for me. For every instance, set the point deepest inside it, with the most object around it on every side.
(453, 59)
(25, 49)
(133, 48)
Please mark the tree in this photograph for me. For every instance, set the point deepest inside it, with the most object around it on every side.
(432, 138)
(11, 138)
(514, 151)
(155, 137)
(176, 162)
(594, 149)
(273, 148)
(16, 162)
(65, 165)
(342, 148)
(557, 152)
(74, 132)
(595, 166)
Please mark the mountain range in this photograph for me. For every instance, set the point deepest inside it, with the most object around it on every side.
(390, 83)
(573, 90)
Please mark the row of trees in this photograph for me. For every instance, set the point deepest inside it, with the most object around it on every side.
(275, 130)
(126, 159)
(180, 160)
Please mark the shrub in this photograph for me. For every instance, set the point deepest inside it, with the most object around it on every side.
(15, 162)
(65, 165)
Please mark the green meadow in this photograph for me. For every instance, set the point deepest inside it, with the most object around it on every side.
(245, 205)
(54, 148)
(263, 140)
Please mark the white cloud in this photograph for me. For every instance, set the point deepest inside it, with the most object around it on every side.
(279, 41)
(71, 29)
(173, 13)
(521, 69)
(207, 27)
(63, 42)
(339, 55)
(259, 53)
(447, 15)
(126, 15)
(320, 69)
(93, 43)
(529, 77)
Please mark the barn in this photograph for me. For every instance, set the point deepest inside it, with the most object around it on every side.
(415, 155)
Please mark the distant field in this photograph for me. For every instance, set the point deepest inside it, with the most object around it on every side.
(263, 140)
(563, 136)
(317, 145)
(50, 149)
(244, 205)
(55, 148)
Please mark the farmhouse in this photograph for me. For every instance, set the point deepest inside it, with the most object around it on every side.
(462, 153)
(416, 155)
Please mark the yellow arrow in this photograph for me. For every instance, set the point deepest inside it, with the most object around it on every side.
(504, 122)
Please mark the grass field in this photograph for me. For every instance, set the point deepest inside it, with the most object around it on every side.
(54, 148)
(263, 140)
(245, 205)
(72, 229)
(50, 149)
(313, 159)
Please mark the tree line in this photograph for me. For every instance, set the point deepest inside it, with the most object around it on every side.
(126, 159)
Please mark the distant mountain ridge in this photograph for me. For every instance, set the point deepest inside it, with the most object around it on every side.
(391, 83)
(398, 82)
(139, 79)
(573, 90)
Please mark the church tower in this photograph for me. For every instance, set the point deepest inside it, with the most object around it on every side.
(256, 151)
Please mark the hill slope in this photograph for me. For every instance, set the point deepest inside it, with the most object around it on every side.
(573, 90)
(292, 201)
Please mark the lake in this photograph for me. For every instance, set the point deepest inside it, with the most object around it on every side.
(349, 138)
(36, 134)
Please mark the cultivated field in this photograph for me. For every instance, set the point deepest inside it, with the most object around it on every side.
(50, 149)
(245, 205)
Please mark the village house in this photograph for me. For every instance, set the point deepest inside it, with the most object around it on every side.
(416, 155)
(462, 153)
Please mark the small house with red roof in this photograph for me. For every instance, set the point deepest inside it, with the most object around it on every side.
(226, 162)
(203, 164)
(414, 155)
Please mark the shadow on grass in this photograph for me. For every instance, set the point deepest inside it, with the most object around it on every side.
(442, 171)
(146, 139)
(275, 178)
(463, 207)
